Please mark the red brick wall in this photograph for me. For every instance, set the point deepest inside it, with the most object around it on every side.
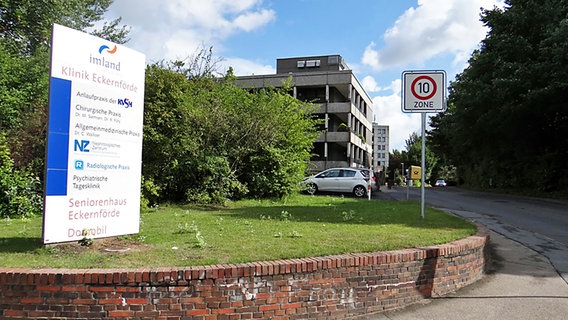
(333, 287)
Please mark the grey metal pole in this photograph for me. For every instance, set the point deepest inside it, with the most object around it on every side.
(402, 173)
(423, 164)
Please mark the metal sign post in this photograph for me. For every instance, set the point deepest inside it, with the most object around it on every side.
(423, 92)
(423, 164)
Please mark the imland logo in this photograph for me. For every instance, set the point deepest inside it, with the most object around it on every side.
(105, 47)
(104, 61)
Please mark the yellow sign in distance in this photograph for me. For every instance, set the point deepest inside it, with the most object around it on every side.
(415, 172)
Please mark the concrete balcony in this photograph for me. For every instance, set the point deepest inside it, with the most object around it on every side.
(336, 137)
(339, 107)
(344, 108)
(333, 107)
(342, 138)
(318, 166)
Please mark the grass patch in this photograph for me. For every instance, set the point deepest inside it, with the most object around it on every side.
(244, 231)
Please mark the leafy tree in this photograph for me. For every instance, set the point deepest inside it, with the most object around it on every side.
(23, 85)
(25, 30)
(27, 23)
(206, 140)
(396, 159)
(507, 119)
(20, 192)
(437, 141)
(414, 155)
(283, 133)
(414, 149)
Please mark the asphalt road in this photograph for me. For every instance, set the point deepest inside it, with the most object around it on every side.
(539, 224)
(528, 278)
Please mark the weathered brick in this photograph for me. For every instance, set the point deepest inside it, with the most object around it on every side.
(121, 314)
(110, 301)
(223, 311)
(48, 288)
(75, 288)
(83, 301)
(268, 307)
(14, 313)
(197, 312)
(137, 301)
(102, 289)
(35, 300)
(291, 305)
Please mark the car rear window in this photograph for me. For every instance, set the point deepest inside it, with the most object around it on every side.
(348, 173)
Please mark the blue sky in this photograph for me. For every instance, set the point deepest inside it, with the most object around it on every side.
(379, 39)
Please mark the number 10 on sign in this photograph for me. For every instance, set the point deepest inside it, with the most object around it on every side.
(423, 91)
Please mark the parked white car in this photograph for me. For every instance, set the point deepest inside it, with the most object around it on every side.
(344, 180)
(440, 183)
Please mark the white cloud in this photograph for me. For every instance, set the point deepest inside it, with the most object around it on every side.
(174, 29)
(181, 45)
(371, 57)
(242, 67)
(434, 27)
(253, 20)
(388, 112)
(370, 85)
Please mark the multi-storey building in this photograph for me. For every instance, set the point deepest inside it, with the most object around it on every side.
(380, 147)
(344, 107)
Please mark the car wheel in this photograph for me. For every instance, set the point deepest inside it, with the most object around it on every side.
(311, 188)
(360, 191)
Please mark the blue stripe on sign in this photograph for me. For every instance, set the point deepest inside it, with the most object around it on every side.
(58, 137)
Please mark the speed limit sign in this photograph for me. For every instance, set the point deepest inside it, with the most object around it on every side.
(423, 91)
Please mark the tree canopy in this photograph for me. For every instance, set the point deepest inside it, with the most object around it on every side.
(25, 31)
(507, 119)
(26, 24)
(206, 140)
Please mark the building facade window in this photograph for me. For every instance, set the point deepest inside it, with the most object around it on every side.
(336, 95)
(381, 146)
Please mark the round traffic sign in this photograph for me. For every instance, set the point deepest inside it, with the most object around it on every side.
(423, 90)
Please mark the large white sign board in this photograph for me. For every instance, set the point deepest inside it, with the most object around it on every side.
(94, 143)
(423, 91)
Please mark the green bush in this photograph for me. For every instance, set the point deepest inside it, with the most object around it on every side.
(343, 127)
(216, 183)
(149, 193)
(208, 141)
(273, 173)
(20, 190)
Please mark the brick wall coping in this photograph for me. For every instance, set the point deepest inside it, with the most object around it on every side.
(330, 287)
(165, 275)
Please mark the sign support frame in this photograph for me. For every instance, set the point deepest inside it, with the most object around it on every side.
(427, 89)
(423, 165)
